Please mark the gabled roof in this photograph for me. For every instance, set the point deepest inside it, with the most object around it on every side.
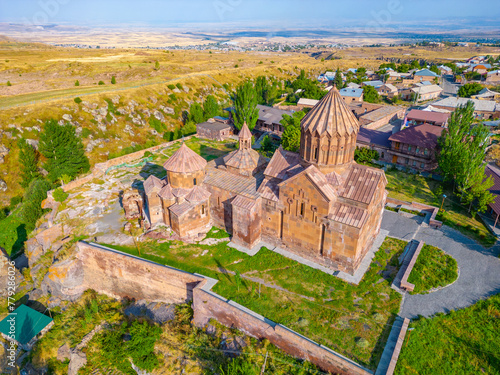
(318, 179)
(27, 324)
(284, 164)
(185, 160)
(269, 189)
(244, 202)
(166, 192)
(426, 73)
(334, 179)
(375, 84)
(271, 115)
(349, 215)
(376, 137)
(423, 136)
(428, 116)
(330, 116)
(153, 183)
(181, 208)
(479, 105)
(197, 194)
(361, 183)
(427, 89)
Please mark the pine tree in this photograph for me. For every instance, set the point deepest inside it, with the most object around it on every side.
(338, 79)
(63, 150)
(245, 106)
(28, 158)
(210, 107)
(461, 159)
(31, 209)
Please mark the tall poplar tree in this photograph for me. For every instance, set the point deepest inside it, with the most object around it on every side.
(461, 159)
(339, 84)
(63, 151)
(210, 107)
(28, 158)
(245, 106)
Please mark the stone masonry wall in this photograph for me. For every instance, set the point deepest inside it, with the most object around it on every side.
(121, 275)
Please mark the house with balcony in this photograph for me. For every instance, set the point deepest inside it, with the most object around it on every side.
(415, 147)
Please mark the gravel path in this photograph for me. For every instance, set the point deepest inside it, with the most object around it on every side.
(479, 267)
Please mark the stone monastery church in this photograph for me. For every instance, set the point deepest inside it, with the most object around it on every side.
(317, 203)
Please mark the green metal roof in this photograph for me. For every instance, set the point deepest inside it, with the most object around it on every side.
(27, 322)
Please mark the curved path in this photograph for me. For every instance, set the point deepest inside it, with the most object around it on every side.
(479, 267)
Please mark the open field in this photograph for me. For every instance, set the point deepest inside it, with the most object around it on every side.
(461, 342)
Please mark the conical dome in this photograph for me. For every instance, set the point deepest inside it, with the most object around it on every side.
(331, 115)
(185, 160)
(245, 132)
(328, 134)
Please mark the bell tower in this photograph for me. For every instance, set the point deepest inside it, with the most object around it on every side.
(245, 137)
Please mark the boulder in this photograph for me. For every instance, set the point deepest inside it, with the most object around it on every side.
(3, 185)
(65, 280)
(77, 360)
(159, 116)
(4, 151)
(115, 99)
(33, 142)
(67, 117)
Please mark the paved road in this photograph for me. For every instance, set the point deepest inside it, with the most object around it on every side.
(450, 88)
(479, 267)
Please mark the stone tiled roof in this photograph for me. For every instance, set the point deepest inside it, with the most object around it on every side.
(185, 160)
(197, 194)
(166, 192)
(318, 179)
(269, 189)
(153, 183)
(180, 192)
(244, 159)
(284, 164)
(244, 202)
(332, 116)
(334, 179)
(243, 185)
(361, 183)
(181, 209)
(349, 215)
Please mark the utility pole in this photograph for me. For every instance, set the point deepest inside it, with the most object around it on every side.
(442, 202)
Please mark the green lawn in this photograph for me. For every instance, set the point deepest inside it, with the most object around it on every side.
(461, 342)
(353, 320)
(414, 188)
(433, 269)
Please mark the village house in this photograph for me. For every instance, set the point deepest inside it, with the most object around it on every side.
(388, 90)
(318, 203)
(493, 76)
(445, 70)
(374, 116)
(269, 119)
(487, 94)
(375, 140)
(351, 95)
(479, 68)
(421, 93)
(420, 76)
(306, 103)
(492, 170)
(418, 117)
(214, 130)
(375, 84)
(483, 109)
(415, 147)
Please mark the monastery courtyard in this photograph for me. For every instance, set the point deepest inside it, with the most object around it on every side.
(354, 320)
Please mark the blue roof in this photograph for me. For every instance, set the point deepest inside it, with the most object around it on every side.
(426, 73)
(356, 93)
(27, 323)
(375, 84)
(221, 118)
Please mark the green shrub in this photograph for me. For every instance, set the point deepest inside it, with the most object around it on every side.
(101, 83)
(113, 80)
(173, 97)
(171, 86)
(9, 84)
(147, 154)
(77, 83)
(60, 195)
(86, 132)
(179, 86)
(78, 100)
(365, 155)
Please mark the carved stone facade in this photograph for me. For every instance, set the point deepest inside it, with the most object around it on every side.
(318, 203)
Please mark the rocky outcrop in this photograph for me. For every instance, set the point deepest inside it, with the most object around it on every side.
(65, 280)
(77, 360)
(6, 273)
(49, 239)
(157, 312)
(132, 202)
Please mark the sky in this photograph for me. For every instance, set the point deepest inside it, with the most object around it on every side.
(313, 13)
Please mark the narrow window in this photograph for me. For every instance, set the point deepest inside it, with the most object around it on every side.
(194, 181)
(218, 201)
(302, 209)
(409, 148)
(422, 165)
(316, 153)
(203, 209)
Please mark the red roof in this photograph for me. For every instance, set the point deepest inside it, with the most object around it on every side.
(423, 136)
(428, 116)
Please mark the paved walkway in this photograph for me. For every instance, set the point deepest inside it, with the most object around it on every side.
(479, 268)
